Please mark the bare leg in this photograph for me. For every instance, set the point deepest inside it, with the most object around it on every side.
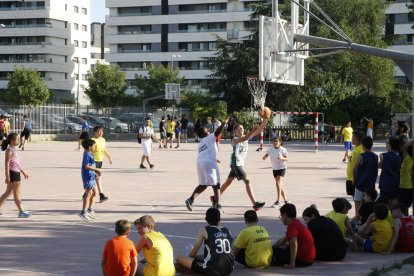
(6, 194)
(249, 191)
(198, 190)
(148, 160)
(142, 159)
(226, 184)
(357, 205)
(281, 190)
(16, 195)
(216, 190)
(86, 199)
(278, 188)
(92, 194)
(99, 183)
(185, 261)
(346, 155)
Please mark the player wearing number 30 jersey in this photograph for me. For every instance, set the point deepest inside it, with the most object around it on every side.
(218, 259)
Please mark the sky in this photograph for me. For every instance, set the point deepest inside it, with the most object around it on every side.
(98, 10)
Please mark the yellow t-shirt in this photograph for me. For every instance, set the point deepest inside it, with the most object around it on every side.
(98, 153)
(382, 236)
(357, 151)
(406, 177)
(347, 133)
(390, 219)
(339, 219)
(170, 126)
(255, 239)
(160, 259)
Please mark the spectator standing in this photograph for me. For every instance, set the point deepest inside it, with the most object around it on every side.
(346, 138)
(163, 133)
(146, 133)
(353, 157)
(170, 130)
(184, 128)
(177, 131)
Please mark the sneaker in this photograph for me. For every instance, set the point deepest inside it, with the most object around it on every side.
(103, 198)
(258, 205)
(91, 214)
(276, 204)
(78, 149)
(176, 147)
(22, 148)
(220, 209)
(189, 204)
(142, 166)
(213, 201)
(165, 147)
(83, 215)
(152, 166)
(160, 147)
(20, 145)
(287, 201)
(24, 214)
(170, 147)
(344, 160)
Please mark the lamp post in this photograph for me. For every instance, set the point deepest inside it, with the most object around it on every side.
(172, 59)
(77, 91)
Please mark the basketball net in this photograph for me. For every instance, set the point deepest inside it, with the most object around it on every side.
(258, 89)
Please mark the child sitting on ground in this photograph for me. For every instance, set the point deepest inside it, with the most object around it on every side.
(341, 206)
(380, 228)
(120, 256)
(403, 238)
(367, 206)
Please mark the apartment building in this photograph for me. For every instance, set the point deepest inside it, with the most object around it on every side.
(98, 46)
(51, 36)
(399, 23)
(179, 33)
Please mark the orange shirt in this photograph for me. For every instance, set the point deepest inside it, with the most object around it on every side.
(118, 253)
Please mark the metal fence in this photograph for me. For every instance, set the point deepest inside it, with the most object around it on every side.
(55, 118)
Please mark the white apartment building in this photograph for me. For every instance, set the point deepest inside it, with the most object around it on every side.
(51, 36)
(180, 33)
(98, 47)
(398, 23)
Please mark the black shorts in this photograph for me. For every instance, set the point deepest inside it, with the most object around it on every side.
(350, 188)
(281, 256)
(25, 133)
(237, 172)
(169, 135)
(405, 196)
(197, 266)
(14, 176)
(98, 164)
(163, 135)
(241, 257)
(279, 173)
(84, 135)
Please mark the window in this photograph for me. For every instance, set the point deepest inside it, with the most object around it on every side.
(84, 11)
(76, 9)
(75, 26)
(76, 76)
(76, 59)
(66, 41)
(66, 24)
(66, 7)
(84, 61)
(83, 77)
(84, 44)
(84, 28)
(66, 76)
(66, 59)
(76, 43)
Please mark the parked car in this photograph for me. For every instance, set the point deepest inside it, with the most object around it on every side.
(133, 120)
(55, 123)
(118, 126)
(96, 121)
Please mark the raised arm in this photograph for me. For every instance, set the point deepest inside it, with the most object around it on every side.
(220, 128)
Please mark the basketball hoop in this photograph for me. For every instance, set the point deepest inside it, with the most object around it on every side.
(258, 89)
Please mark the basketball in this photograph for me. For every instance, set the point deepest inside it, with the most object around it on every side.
(265, 112)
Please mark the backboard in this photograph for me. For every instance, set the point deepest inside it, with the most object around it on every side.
(280, 58)
(172, 91)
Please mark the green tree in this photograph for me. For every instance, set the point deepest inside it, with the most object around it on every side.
(106, 85)
(154, 84)
(26, 87)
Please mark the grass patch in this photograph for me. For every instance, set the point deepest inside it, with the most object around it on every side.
(394, 266)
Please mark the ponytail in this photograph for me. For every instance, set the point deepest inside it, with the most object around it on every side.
(311, 211)
(5, 143)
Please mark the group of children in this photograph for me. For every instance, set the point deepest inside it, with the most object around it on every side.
(320, 238)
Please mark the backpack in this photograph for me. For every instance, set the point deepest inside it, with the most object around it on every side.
(139, 138)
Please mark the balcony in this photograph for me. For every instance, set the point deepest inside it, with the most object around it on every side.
(25, 8)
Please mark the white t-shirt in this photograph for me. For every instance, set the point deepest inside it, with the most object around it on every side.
(207, 148)
(274, 154)
(146, 140)
(216, 124)
(239, 153)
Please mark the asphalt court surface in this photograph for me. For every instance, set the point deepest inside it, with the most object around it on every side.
(55, 241)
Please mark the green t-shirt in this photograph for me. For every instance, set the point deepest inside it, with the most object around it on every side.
(358, 150)
(406, 177)
(255, 239)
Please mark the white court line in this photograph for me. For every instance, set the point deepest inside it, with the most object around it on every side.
(27, 271)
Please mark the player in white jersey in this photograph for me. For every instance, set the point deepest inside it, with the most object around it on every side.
(240, 144)
(207, 169)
